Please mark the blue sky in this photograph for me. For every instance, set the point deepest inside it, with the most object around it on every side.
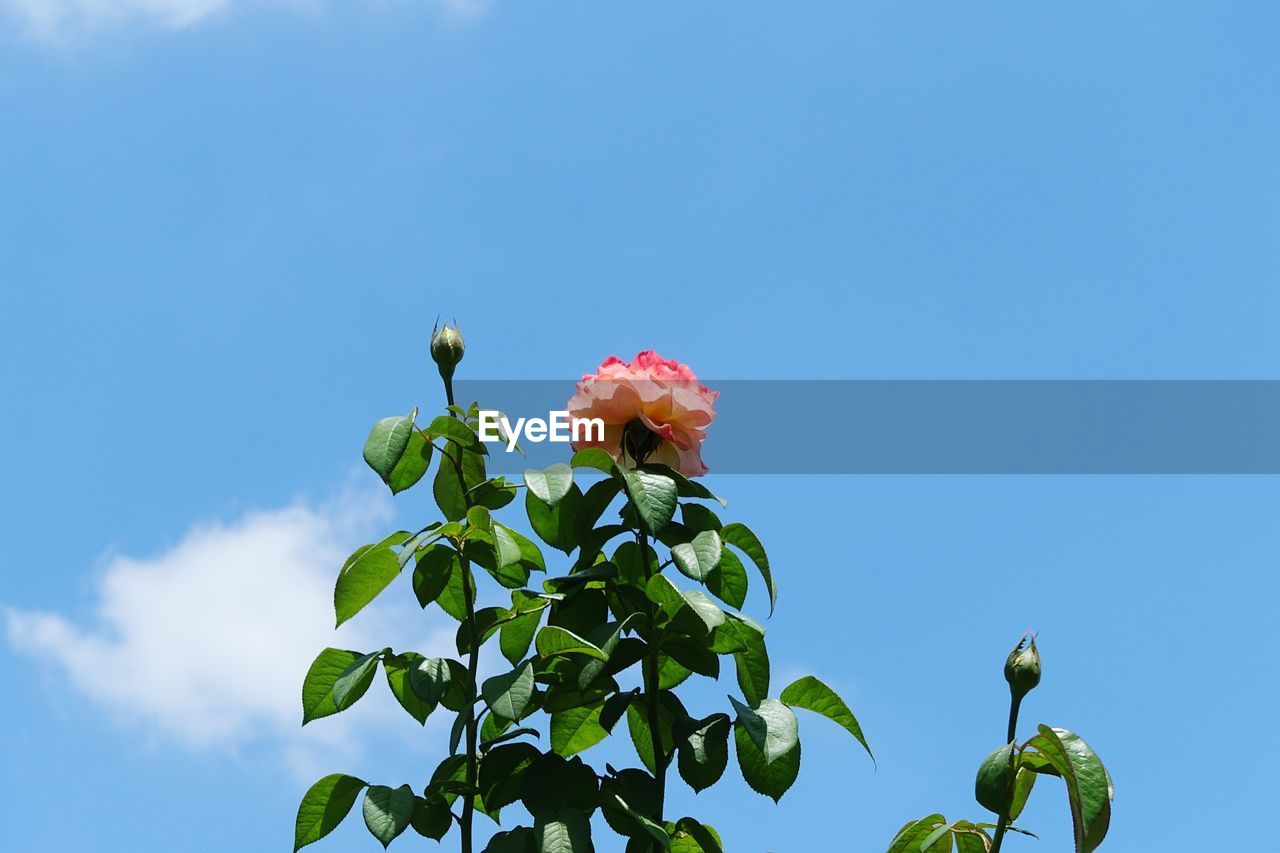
(229, 224)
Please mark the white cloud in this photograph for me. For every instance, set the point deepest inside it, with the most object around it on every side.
(207, 643)
(63, 21)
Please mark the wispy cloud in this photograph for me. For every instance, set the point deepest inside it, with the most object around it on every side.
(69, 21)
(207, 643)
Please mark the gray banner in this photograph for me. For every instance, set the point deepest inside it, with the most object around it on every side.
(953, 427)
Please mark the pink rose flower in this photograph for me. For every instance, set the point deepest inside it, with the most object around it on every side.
(653, 409)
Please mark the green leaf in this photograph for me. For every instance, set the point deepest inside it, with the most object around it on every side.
(387, 812)
(697, 559)
(752, 666)
(706, 609)
(514, 637)
(453, 598)
(386, 444)
(703, 751)
(457, 431)
(576, 729)
(550, 484)
(771, 778)
(555, 525)
(412, 465)
(431, 817)
(431, 574)
(911, 836)
(1089, 788)
(508, 695)
(431, 680)
(567, 831)
(398, 671)
(812, 695)
(647, 826)
(366, 574)
(728, 580)
(506, 547)
(449, 492)
(502, 773)
(741, 537)
(1023, 782)
(355, 672)
(554, 640)
(518, 840)
(652, 494)
(705, 839)
(593, 457)
(324, 806)
(941, 834)
(771, 724)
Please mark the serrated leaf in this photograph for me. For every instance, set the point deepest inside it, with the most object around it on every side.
(555, 525)
(330, 667)
(431, 680)
(728, 580)
(508, 695)
(387, 811)
(502, 773)
(413, 463)
(554, 640)
(771, 724)
(752, 666)
(365, 575)
(386, 444)
(324, 806)
(576, 729)
(812, 695)
(703, 751)
(567, 831)
(769, 778)
(550, 484)
(741, 537)
(1089, 788)
(435, 565)
(397, 670)
(652, 494)
(698, 558)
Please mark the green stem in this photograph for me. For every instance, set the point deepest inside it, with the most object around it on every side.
(465, 823)
(473, 667)
(652, 694)
(1002, 825)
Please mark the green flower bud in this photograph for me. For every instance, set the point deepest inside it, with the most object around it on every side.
(447, 349)
(1022, 669)
(994, 788)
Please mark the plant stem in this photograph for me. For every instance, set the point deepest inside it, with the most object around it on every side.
(652, 695)
(473, 667)
(473, 656)
(1002, 825)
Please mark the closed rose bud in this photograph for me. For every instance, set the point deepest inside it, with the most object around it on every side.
(447, 349)
(994, 787)
(1022, 669)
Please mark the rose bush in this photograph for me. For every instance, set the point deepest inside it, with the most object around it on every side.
(649, 595)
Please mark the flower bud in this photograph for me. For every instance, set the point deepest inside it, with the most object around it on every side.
(1022, 669)
(447, 349)
(994, 786)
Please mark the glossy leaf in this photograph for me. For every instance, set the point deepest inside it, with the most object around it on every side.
(741, 537)
(652, 494)
(362, 579)
(1089, 788)
(328, 669)
(324, 806)
(752, 666)
(387, 811)
(771, 778)
(398, 670)
(551, 484)
(576, 729)
(703, 751)
(555, 525)
(771, 724)
(554, 640)
(812, 695)
(728, 580)
(567, 831)
(698, 558)
(502, 773)
(413, 463)
(386, 444)
(508, 695)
